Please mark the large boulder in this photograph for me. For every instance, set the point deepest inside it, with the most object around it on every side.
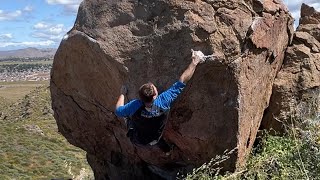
(133, 42)
(297, 85)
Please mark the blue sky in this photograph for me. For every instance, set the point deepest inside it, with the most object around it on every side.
(43, 23)
(35, 23)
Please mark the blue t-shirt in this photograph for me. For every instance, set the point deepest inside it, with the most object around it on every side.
(163, 102)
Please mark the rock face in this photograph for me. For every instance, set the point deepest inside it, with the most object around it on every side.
(133, 42)
(299, 79)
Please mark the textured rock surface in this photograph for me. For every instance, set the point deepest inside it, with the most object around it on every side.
(299, 79)
(116, 42)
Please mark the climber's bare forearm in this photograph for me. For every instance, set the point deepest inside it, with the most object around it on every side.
(120, 101)
(188, 73)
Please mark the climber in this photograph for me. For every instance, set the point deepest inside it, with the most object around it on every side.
(145, 117)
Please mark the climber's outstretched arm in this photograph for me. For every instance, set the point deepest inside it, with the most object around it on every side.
(121, 98)
(188, 73)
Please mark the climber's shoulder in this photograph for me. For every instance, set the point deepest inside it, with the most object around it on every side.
(129, 109)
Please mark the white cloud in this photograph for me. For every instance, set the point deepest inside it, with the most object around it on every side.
(47, 31)
(9, 15)
(7, 36)
(316, 6)
(28, 43)
(71, 9)
(57, 29)
(41, 25)
(63, 1)
(42, 35)
(28, 8)
(70, 6)
(13, 15)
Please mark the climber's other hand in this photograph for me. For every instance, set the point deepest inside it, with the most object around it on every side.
(124, 90)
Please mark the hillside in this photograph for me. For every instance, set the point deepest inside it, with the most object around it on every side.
(30, 144)
(28, 53)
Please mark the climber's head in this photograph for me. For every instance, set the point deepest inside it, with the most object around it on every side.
(148, 92)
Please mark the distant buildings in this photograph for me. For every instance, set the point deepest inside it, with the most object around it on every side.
(34, 72)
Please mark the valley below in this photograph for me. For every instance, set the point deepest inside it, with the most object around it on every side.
(31, 146)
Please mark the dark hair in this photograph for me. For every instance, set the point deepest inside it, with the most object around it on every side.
(146, 92)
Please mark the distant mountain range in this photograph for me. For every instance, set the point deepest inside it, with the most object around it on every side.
(28, 53)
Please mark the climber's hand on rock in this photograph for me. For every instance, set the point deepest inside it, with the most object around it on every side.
(197, 57)
(124, 90)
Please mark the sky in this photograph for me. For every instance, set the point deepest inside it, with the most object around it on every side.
(43, 23)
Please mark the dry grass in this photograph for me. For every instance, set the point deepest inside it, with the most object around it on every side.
(30, 145)
(12, 91)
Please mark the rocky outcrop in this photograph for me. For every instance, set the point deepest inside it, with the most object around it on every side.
(298, 81)
(132, 42)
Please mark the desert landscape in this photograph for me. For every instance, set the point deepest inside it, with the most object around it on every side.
(250, 111)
